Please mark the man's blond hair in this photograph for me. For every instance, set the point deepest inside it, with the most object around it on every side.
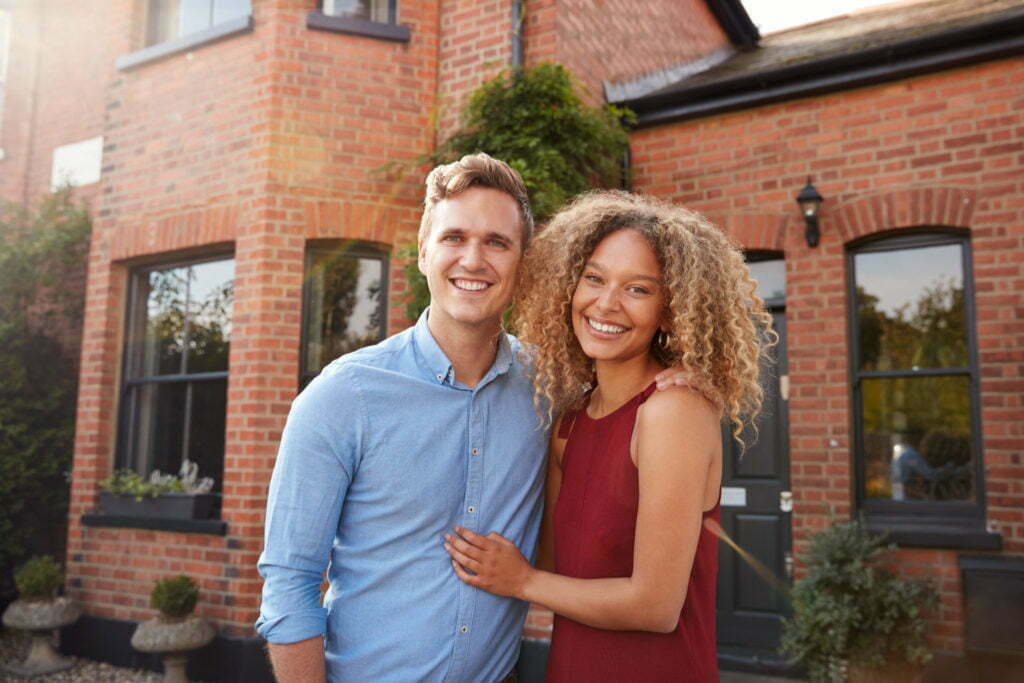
(475, 170)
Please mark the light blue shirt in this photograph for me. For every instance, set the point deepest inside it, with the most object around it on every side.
(382, 454)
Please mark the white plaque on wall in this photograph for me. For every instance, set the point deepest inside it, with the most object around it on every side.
(77, 163)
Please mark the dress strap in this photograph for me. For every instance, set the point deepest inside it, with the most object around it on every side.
(646, 393)
(567, 423)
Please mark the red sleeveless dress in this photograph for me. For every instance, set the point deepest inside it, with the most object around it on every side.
(595, 523)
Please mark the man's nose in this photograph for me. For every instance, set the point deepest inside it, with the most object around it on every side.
(472, 256)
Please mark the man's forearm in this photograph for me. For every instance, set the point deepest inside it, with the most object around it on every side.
(301, 662)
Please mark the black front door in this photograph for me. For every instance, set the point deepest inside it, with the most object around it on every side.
(755, 515)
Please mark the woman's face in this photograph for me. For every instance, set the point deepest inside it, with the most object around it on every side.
(619, 302)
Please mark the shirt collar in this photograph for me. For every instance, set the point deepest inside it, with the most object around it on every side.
(439, 365)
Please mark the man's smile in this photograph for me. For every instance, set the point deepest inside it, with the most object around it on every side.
(469, 285)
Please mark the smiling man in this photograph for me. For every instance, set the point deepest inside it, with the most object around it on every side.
(393, 445)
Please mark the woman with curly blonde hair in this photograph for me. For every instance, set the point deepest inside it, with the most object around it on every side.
(617, 288)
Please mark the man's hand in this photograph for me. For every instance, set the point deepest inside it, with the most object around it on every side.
(677, 377)
(301, 662)
(492, 562)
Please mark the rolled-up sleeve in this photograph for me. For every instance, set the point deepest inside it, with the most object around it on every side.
(314, 467)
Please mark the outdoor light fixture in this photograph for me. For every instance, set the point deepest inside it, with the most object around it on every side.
(810, 202)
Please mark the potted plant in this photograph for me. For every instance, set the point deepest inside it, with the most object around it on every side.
(854, 619)
(175, 630)
(164, 496)
(40, 611)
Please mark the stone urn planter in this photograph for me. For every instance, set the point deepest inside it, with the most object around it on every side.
(39, 612)
(172, 639)
(176, 630)
(40, 618)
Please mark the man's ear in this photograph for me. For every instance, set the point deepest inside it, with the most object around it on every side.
(421, 251)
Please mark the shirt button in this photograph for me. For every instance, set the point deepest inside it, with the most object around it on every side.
(463, 629)
(471, 509)
(475, 451)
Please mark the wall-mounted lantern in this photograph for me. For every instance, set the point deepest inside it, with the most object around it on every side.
(810, 203)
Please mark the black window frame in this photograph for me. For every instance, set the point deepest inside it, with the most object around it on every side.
(391, 30)
(355, 249)
(135, 308)
(955, 524)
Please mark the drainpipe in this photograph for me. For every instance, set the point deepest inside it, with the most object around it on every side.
(517, 33)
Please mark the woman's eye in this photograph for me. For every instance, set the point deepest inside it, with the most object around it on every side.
(639, 290)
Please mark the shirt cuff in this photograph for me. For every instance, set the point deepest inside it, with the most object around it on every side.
(294, 626)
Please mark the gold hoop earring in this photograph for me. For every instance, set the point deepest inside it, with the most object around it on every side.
(663, 339)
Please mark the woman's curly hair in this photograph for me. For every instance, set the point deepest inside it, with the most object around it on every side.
(719, 329)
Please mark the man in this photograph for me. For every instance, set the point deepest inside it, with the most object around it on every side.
(396, 443)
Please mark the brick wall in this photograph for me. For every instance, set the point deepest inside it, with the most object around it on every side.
(618, 40)
(258, 143)
(475, 44)
(943, 149)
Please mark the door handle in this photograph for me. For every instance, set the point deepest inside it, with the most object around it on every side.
(788, 559)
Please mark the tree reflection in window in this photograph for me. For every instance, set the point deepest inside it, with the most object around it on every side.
(345, 303)
(914, 377)
(175, 389)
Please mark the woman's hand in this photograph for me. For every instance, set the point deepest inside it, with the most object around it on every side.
(490, 562)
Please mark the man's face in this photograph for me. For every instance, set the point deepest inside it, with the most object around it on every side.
(471, 257)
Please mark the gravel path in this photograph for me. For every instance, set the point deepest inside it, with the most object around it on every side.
(14, 647)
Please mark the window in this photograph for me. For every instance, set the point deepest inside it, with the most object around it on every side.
(344, 303)
(380, 11)
(172, 19)
(915, 381)
(369, 18)
(174, 395)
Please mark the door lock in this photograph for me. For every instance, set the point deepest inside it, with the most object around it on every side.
(788, 559)
(786, 501)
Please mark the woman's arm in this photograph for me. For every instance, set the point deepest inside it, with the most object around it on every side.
(678, 441)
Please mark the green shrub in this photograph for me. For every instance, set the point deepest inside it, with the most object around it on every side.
(176, 597)
(41, 301)
(850, 609)
(39, 578)
(535, 120)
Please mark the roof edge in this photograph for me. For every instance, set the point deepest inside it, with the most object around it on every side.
(733, 18)
(977, 43)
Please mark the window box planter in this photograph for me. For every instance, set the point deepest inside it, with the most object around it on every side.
(164, 506)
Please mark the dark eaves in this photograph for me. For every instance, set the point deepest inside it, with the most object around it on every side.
(998, 37)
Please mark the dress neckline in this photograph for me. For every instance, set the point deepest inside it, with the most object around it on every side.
(642, 396)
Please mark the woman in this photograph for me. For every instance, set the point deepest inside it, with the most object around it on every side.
(619, 288)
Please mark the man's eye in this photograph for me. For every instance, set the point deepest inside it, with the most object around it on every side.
(498, 243)
(451, 238)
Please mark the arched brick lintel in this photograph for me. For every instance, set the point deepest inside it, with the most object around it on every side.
(947, 206)
(350, 220)
(748, 231)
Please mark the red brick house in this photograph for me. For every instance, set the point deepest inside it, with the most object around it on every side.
(903, 324)
(228, 149)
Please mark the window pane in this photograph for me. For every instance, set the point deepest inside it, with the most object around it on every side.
(206, 432)
(163, 20)
(345, 305)
(910, 308)
(917, 439)
(194, 16)
(211, 293)
(166, 303)
(230, 9)
(371, 10)
(770, 277)
(159, 411)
